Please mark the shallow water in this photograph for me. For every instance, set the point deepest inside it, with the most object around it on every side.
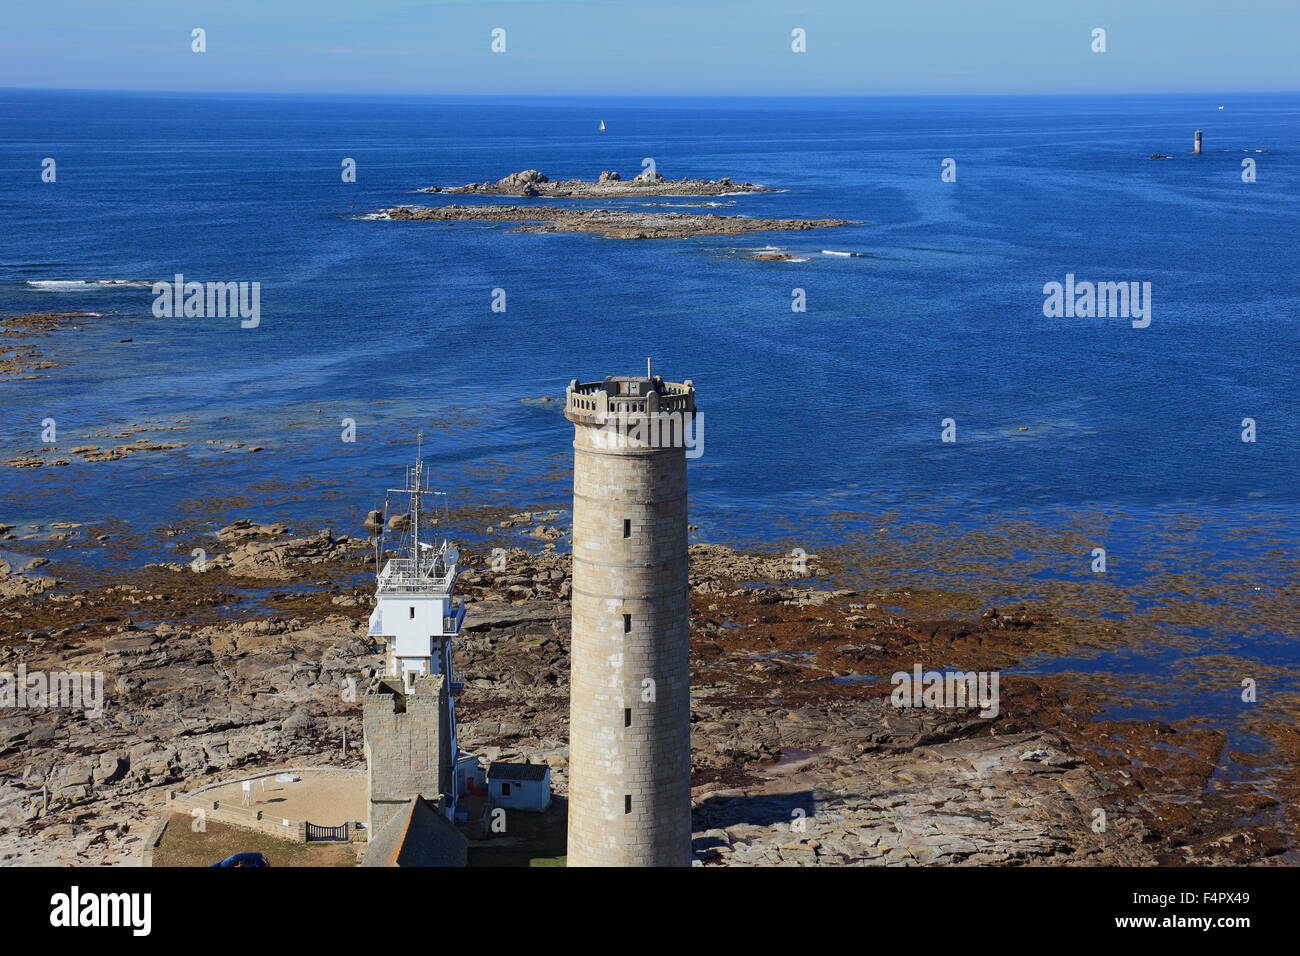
(817, 426)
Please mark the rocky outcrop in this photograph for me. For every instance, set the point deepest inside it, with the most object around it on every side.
(284, 559)
(610, 223)
(715, 568)
(245, 528)
(527, 177)
(966, 801)
(609, 184)
(251, 555)
(15, 585)
(182, 707)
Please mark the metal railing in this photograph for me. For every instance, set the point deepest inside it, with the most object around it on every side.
(451, 622)
(405, 574)
(590, 398)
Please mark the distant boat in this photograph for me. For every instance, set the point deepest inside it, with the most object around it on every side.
(1220, 107)
(602, 123)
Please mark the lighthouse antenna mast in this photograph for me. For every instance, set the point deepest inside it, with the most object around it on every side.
(416, 488)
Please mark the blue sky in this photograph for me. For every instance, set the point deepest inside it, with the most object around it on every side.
(611, 47)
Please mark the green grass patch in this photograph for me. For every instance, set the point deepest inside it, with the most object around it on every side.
(181, 846)
(531, 839)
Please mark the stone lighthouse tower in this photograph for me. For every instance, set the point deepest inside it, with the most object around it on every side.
(629, 722)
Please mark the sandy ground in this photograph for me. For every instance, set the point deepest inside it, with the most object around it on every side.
(326, 798)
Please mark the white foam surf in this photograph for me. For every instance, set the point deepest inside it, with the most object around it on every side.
(77, 285)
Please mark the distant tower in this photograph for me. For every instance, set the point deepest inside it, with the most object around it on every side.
(630, 709)
(1197, 150)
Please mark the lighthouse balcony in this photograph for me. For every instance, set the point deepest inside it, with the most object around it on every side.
(406, 576)
(627, 396)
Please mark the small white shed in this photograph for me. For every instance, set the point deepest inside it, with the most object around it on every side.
(519, 786)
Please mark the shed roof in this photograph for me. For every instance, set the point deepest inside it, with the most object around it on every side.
(517, 771)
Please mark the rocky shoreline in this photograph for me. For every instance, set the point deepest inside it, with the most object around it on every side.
(799, 757)
(610, 223)
(531, 183)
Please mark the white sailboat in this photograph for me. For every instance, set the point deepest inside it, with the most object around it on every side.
(602, 126)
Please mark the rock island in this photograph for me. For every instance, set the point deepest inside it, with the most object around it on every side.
(531, 183)
(610, 223)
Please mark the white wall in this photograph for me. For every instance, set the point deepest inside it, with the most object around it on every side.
(524, 794)
(411, 636)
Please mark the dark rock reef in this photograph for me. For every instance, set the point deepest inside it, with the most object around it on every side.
(610, 223)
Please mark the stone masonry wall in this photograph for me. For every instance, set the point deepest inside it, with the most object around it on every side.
(629, 772)
(406, 752)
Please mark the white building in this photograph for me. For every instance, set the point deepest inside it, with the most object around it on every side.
(417, 614)
(519, 786)
(418, 617)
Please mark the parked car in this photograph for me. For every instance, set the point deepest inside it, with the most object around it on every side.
(244, 859)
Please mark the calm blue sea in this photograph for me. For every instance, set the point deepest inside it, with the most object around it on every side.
(816, 425)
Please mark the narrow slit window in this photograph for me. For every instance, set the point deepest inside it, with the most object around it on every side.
(627, 716)
(627, 623)
(627, 527)
(627, 803)
(412, 614)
